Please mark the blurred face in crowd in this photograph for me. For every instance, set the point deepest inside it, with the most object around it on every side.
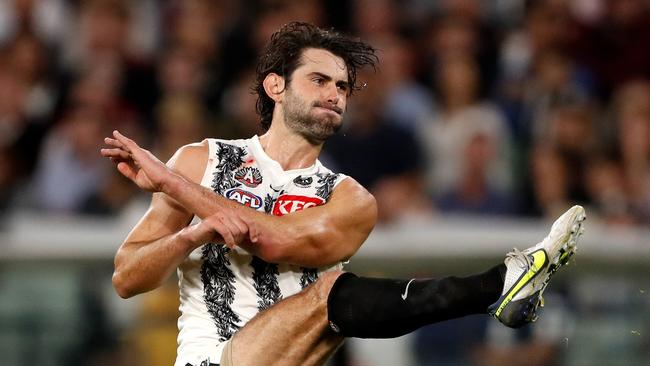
(374, 16)
(548, 25)
(194, 27)
(316, 96)
(13, 93)
(105, 24)
(479, 151)
(26, 58)
(571, 129)
(633, 119)
(454, 37)
(181, 72)
(84, 126)
(458, 81)
(550, 176)
(553, 70)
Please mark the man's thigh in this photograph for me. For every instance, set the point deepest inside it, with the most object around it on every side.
(293, 332)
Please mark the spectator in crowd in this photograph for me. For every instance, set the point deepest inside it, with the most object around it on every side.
(462, 110)
(375, 18)
(632, 106)
(605, 184)
(615, 45)
(27, 58)
(110, 198)
(69, 169)
(459, 31)
(572, 132)
(238, 118)
(549, 183)
(104, 42)
(405, 101)
(194, 46)
(536, 70)
(181, 120)
(551, 80)
(194, 26)
(180, 72)
(48, 20)
(474, 193)
(20, 134)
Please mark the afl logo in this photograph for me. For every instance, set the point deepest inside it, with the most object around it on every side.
(250, 177)
(245, 198)
(303, 182)
(288, 203)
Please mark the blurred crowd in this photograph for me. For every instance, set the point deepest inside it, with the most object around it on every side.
(502, 107)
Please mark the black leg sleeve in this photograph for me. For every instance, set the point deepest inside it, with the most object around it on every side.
(387, 308)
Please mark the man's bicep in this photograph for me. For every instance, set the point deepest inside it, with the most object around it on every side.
(339, 227)
(353, 210)
(165, 215)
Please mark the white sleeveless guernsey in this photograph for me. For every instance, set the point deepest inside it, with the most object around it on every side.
(222, 289)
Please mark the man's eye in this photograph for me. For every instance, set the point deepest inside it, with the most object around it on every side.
(318, 81)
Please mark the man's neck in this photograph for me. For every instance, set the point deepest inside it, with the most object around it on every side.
(289, 149)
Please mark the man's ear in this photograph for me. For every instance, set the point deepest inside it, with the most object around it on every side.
(274, 86)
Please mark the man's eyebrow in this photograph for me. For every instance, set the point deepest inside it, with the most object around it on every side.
(328, 78)
(320, 74)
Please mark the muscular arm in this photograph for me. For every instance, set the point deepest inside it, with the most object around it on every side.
(160, 241)
(314, 237)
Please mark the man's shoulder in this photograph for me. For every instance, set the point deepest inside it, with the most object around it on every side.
(231, 142)
(190, 160)
(191, 151)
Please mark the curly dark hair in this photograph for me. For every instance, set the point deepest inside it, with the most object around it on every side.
(282, 56)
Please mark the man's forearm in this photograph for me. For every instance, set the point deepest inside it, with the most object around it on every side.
(204, 202)
(302, 238)
(141, 267)
(197, 199)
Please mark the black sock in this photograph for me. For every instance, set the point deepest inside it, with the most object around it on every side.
(387, 308)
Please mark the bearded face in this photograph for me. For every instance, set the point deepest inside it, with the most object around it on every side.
(316, 120)
(315, 97)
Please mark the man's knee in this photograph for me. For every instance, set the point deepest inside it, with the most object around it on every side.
(322, 287)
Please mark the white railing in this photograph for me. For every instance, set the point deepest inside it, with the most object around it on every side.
(25, 235)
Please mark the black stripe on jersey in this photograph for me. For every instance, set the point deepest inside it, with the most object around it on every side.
(309, 276)
(325, 186)
(230, 158)
(269, 201)
(218, 279)
(219, 289)
(265, 282)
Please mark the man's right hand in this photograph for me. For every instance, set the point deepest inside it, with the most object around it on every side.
(226, 225)
(137, 164)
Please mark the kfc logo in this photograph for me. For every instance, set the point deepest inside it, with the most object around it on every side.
(289, 203)
(245, 198)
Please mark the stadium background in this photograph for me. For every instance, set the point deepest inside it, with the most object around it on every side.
(484, 121)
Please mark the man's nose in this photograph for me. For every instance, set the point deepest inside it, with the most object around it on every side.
(332, 95)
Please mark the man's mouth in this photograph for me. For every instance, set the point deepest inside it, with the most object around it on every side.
(334, 109)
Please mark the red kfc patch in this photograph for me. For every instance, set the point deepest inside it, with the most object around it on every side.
(288, 203)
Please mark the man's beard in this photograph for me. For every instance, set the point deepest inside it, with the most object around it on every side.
(299, 117)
